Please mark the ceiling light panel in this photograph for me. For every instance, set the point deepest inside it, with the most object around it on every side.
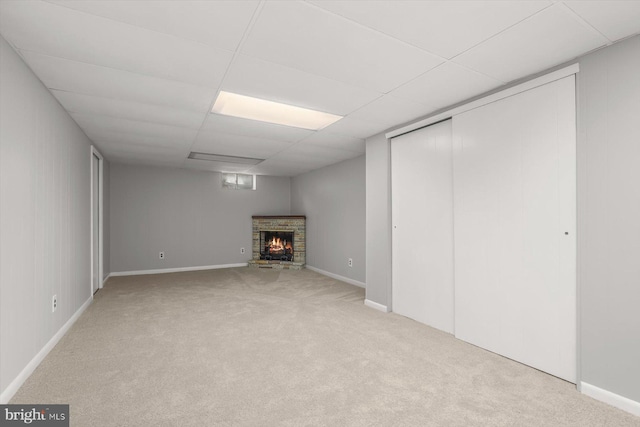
(246, 107)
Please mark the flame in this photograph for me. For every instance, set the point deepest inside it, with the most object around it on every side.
(277, 245)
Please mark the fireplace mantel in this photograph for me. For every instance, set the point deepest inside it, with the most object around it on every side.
(295, 224)
(278, 217)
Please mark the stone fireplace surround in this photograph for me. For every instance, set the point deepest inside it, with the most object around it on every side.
(290, 223)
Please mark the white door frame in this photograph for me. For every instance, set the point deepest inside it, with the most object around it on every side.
(95, 152)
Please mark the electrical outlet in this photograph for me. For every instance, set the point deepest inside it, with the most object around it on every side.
(350, 263)
(241, 250)
(54, 303)
(161, 255)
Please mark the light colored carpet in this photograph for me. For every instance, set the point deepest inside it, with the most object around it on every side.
(249, 347)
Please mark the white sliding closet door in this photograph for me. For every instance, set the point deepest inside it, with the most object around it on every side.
(422, 215)
(515, 227)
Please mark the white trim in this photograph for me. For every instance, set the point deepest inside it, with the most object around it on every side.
(610, 398)
(337, 277)
(15, 385)
(95, 152)
(175, 270)
(376, 306)
(528, 85)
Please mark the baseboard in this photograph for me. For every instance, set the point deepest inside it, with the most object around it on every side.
(377, 306)
(337, 277)
(610, 398)
(175, 270)
(13, 387)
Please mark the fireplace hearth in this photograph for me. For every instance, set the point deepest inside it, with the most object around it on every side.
(278, 242)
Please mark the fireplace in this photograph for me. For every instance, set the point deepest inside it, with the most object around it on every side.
(278, 242)
(276, 245)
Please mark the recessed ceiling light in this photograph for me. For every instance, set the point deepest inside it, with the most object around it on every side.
(247, 107)
(225, 159)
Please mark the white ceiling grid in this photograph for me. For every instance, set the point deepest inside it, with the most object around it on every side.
(140, 77)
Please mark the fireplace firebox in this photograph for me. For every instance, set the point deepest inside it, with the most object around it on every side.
(278, 242)
(276, 245)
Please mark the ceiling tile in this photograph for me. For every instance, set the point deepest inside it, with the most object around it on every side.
(445, 28)
(237, 145)
(305, 37)
(549, 38)
(266, 80)
(145, 155)
(117, 147)
(54, 30)
(278, 168)
(215, 23)
(355, 128)
(253, 128)
(78, 103)
(330, 140)
(215, 166)
(72, 76)
(614, 19)
(92, 122)
(314, 154)
(141, 160)
(388, 111)
(445, 85)
(286, 166)
(128, 138)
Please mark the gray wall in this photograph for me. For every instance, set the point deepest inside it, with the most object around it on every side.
(378, 233)
(106, 220)
(333, 199)
(609, 217)
(187, 214)
(44, 215)
(608, 87)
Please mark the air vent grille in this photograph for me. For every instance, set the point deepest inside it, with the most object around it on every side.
(224, 159)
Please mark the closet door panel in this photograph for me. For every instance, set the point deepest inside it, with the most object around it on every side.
(422, 216)
(514, 221)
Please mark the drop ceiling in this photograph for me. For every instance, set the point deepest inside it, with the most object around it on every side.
(140, 77)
